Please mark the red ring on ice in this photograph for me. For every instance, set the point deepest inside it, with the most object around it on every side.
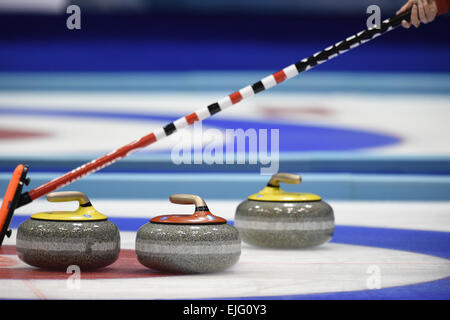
(126, 267)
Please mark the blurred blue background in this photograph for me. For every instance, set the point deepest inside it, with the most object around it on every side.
(178, 35)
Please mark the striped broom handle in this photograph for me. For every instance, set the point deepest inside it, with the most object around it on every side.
(264, 84)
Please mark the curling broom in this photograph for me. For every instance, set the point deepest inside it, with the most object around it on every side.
(14, 198)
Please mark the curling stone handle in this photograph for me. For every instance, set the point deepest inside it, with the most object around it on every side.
(182, 198)
(65, 196)
(284, 177)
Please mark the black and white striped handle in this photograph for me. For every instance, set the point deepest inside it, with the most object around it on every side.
(287, 73)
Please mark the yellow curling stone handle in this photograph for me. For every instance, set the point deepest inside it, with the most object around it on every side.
(85, 211)
(284, 177)
(273, 192)
(65, 196)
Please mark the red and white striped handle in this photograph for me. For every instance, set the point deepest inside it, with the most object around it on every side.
(264, 84)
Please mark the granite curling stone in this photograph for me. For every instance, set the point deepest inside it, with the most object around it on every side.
(56, 240)
(278, 219)
(197, 243)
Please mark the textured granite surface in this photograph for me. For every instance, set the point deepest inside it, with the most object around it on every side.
(285, 224)
(58, 244)
(188, 248)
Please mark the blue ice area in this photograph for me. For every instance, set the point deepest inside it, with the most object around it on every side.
(313, 137)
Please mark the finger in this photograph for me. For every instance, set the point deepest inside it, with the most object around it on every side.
(422, 15)
(406, 24)
(428, 14)
(430, 10)
(405, 7)
(415, 17)
(408, 5)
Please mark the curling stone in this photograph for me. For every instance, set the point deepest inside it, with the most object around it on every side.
(56, 240)
(278, 219)
(197, 243)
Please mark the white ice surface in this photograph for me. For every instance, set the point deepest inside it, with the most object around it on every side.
(263, 272)
(420, 121)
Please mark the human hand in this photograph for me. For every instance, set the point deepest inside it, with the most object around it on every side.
(423, 11)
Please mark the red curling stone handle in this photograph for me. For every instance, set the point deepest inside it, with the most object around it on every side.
(202, 215)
